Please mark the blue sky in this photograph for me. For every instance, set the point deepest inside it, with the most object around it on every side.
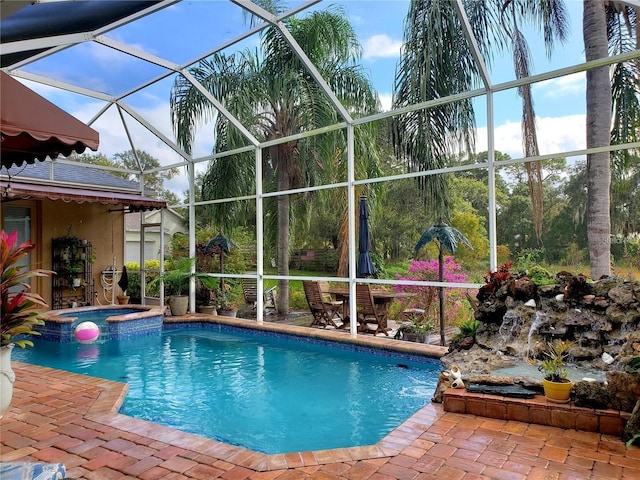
(190, 28)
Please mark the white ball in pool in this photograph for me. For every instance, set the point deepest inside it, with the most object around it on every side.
(86, 332)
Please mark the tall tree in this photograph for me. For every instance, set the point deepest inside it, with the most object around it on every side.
(274, 95)
(554, 21)
(436, 62)
(102, 160)
(622, 28)
(598, 95)
(141, 161)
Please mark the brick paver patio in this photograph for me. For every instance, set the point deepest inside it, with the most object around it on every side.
(56, 416)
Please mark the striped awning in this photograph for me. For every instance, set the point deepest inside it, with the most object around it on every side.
(26, 191)
(32, 128)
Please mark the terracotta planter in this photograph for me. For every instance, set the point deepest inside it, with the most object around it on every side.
(557, 392)
(122, 300)
(7, 377)
(179, 304)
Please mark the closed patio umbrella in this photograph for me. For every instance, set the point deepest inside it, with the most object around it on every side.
(364, 266)
(123, 283)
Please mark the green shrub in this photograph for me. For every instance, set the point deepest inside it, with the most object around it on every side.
(467, 328)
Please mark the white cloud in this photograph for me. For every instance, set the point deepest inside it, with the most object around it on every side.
(563, 86)
(385, 100)
(555, 135)
(381, 46)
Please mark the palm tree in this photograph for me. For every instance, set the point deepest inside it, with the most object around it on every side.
(598, 95)
(437, 62)
(555, 26)
(447, 238)
(272, 93)
(622, 29)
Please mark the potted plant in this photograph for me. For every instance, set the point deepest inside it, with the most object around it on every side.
(226, 301)
(557, 386)
(123, 298)
(415, 328)
(20, 307)
(176, 284)
(204, 302)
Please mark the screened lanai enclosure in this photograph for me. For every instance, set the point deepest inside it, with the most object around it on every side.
(270, 120)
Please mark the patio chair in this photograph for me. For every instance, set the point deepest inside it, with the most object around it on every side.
(327, 297)
(323, 313)
(250, 292)
(368, 312)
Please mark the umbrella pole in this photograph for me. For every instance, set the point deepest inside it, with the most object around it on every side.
(441, 294)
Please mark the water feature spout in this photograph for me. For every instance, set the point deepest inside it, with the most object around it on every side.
(511, 325)
(539, 319)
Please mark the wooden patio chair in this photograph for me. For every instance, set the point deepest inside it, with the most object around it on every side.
(250, 292)
(368, 312)
(323, 313)
(327, 297)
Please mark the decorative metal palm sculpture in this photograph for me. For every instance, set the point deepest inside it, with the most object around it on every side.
(447, 237)
(220, 245)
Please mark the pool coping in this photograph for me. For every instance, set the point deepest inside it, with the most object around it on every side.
(330, 334)
(64, 315)
(104, 408)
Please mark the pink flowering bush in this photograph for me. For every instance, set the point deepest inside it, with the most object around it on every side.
(426, 297)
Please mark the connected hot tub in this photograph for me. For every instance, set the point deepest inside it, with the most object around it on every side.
(115, 322)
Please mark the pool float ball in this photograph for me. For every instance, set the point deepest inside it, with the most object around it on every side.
(86, 332)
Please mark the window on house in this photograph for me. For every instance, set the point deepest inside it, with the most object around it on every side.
(18, 218)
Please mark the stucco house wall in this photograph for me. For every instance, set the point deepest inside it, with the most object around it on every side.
(91, 221)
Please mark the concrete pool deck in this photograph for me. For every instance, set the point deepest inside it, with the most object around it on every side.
(61, 417)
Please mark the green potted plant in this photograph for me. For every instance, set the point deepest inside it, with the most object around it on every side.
(557, 386)
(176, 284)
(415, 328)
(226, 301)
(20, 308)
(204, 302)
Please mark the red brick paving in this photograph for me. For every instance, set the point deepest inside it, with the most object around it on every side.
(50, 421)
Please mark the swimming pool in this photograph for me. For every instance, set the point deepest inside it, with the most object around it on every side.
(265, 392)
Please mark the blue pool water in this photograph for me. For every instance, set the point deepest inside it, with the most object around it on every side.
(262, 392)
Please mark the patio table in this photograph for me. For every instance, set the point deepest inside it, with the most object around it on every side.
(382, 298)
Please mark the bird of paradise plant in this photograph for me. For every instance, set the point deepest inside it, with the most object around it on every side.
(21, 308)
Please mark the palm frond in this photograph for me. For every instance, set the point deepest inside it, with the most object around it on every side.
(447, 236)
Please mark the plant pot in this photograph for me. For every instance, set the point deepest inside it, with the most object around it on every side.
(206, 309)
(227, 313)
(76, 282)
(7, 377)
(179, 304)
(557, 392)
(414, 337)
(123, 300)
